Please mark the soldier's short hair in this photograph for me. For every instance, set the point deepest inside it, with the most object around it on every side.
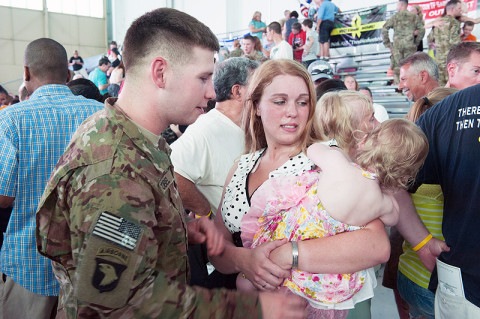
(249, 37)
(404, 1)
(450, 4)
(231, 72)
(275, 27)
(168, 33)
(460, 52)
(420, 61)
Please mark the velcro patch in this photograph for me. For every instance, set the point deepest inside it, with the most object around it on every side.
(117, 230)
(166, 181)
(107, 274)
(116, 253)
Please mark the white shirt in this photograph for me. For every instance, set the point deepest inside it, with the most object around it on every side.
(283, 50)
(205, 153)
(380, 112)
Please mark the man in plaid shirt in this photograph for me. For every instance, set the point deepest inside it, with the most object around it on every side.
(33, 136)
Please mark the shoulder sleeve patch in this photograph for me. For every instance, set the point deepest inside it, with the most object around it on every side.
(105, 274)
(117, 230)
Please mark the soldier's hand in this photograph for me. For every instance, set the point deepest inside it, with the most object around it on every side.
(282, 305)
(202, 230)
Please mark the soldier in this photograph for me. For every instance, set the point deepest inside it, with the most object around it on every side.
(111, 218)
(446, 35)
(404, 24)
(249, 48)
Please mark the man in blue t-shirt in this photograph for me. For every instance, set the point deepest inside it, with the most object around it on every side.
(453, 131)
(99, 77)
(325, 17)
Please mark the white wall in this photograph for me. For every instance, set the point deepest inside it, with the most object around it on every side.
(21, 26)
(124, 12)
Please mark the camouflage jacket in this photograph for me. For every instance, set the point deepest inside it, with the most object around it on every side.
(112, 221)
(447, 35)
(257, 56)
(404, 24)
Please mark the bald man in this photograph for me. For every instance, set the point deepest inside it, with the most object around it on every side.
(33, 135)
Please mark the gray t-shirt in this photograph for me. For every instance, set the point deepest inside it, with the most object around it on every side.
(312, 54)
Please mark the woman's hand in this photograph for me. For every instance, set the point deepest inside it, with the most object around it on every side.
(261, 271)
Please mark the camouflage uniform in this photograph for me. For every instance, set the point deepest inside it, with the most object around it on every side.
(445, 36)
(257, 56)
(112, 221)
(236, 53)
(404, 24)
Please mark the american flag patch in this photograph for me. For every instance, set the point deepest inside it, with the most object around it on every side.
(117, 230)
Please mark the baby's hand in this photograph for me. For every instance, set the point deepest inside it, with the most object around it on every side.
(282, 256)
(429, 253)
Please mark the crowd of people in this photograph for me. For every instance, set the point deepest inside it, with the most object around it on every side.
(272, 204)
(303, 40)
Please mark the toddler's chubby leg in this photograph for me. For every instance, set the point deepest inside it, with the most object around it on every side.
(243, 284)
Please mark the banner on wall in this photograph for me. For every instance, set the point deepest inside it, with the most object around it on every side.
(358, 27)
(434, 9)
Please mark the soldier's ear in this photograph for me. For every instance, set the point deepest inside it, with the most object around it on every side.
(158, 70)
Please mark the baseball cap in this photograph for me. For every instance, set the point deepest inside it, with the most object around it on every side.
(320, 70)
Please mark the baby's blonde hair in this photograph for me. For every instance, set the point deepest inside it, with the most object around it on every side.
(395, 150)
(336, 118)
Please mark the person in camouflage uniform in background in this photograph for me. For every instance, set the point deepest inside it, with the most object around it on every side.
(404, 24)
(445, 35)
(111, 218)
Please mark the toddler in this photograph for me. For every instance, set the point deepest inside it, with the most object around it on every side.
(338, 196)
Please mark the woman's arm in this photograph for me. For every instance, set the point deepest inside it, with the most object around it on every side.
(254, 263)
(343, 253)
(253, 30)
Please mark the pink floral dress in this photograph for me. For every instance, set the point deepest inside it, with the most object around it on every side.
(288, 207)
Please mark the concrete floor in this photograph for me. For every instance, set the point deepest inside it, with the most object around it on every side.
(383, 302)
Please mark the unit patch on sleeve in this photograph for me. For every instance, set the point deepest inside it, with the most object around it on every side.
(117, 230)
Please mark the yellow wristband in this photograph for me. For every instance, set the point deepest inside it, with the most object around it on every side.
(423, 242)
(198, 216)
